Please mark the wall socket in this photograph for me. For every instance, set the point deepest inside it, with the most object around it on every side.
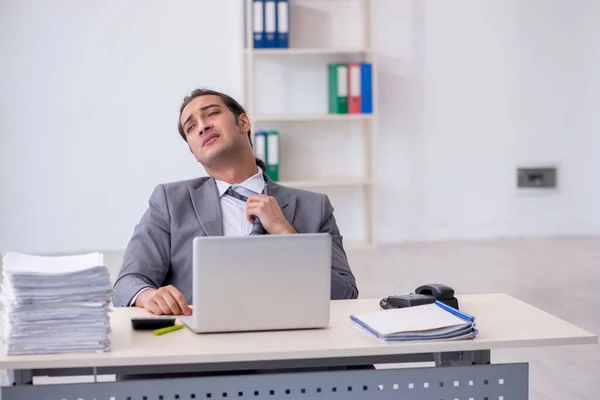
(541, 177)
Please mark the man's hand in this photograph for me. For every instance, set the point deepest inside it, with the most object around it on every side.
(271, 217)
(164, 301)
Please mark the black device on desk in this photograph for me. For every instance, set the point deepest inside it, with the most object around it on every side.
(425, 294)
(151, 323)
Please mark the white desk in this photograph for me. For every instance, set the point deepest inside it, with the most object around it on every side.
(503, 322)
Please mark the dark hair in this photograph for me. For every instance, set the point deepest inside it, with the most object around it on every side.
(230, 102)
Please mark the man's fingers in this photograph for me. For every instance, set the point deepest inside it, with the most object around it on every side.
(179, 300)
(261, 200)
(172, 304)
(162, 304)
(257, 198)
(256, 208)
(251, 212)
(151, 306)
(167, 301)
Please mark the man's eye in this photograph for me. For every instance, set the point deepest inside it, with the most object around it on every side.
(189, 129)
(213, 113)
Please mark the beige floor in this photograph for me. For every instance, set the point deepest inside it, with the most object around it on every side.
(558, 275)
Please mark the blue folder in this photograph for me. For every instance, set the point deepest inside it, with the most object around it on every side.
(366, 85)
(283, 23)
(270, 24)
(258, 23)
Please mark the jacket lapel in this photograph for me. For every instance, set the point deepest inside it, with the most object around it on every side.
(205, 200)
(286, 201)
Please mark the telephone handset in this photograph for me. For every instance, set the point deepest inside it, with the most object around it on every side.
(425, 294)
(439, 291)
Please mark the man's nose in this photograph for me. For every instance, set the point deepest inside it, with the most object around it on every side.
(205, 128)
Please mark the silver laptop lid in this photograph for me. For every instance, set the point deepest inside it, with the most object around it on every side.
(261, 282)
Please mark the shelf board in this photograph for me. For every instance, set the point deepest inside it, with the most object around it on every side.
(311, 117)
(307, 51)
(330, 182)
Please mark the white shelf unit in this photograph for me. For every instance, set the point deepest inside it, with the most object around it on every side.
(330, 182)
(311, 117)
(321, 51)
(306, 51)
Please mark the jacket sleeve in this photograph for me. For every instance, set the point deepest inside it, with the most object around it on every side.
(147, 258)
(343, 282)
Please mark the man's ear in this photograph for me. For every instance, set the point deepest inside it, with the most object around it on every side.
(244, 121)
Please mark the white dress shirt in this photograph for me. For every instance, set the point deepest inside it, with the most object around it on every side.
(233, 211)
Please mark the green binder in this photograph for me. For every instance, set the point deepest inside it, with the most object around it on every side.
(338, 88)
(273, 155)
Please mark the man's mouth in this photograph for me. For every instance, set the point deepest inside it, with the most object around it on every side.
(209, 139)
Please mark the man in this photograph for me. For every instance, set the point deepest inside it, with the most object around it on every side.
(157, 266)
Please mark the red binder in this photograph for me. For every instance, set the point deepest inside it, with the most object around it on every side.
(354, 90)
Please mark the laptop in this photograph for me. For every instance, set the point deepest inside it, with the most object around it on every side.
(260, 282)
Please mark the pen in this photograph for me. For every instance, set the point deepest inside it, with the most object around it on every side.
(168, 329)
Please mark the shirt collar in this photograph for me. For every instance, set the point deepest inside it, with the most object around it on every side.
(255, 183)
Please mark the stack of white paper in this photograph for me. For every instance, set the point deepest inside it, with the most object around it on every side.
(435, 321)
(55, 304)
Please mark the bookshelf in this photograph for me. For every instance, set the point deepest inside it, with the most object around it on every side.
(305, 51)
(344, 33)
(327, 182)
(311, 117)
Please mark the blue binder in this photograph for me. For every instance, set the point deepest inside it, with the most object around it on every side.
(283, 23)
(258, 23)
(270, 23)
(366, 84)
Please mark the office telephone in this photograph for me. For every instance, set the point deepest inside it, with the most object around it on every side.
(424, 294)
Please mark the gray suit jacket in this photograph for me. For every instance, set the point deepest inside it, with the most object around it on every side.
(160, 251)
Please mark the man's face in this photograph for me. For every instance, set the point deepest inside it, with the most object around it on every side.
(211, 128)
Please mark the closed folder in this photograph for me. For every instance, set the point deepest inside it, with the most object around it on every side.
(435, 321)
(273, 155)
(260, 145)
(270, 24)
(258, 23)
(338, 88)
(283, 23)
(354, 88)
(366, 83)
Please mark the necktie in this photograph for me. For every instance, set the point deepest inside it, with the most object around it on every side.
(257, 228)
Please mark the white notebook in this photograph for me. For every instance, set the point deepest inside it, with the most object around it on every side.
(435, 321)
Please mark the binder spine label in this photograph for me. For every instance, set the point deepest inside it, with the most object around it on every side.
(258, 20)
(355, 88)
(273, 146)
(355, 81)
(342, 81)
(282, 17)
(260, 146)
(270, 26)
(258, 24)
(273, 155)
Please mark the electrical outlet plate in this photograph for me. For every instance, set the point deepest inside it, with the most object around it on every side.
(537, 178)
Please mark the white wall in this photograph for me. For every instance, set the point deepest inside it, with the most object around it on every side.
(89, 101)
(494, 85)
(469, 90)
